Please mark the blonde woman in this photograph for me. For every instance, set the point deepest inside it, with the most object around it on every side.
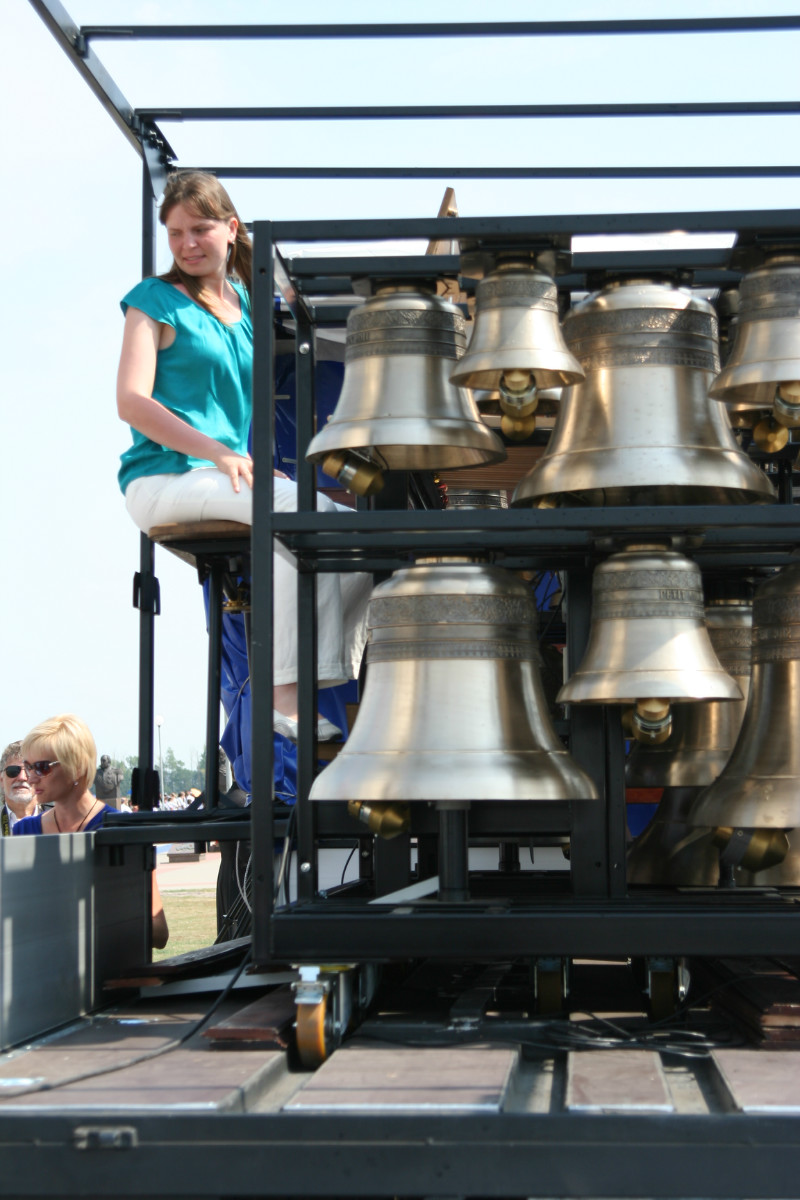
(60, 759)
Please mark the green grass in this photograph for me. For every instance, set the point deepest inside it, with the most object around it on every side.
(192, 920)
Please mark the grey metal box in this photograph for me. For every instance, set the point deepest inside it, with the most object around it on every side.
(71, 914)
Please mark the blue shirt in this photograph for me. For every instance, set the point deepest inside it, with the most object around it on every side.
(204, 377)
(34, 824)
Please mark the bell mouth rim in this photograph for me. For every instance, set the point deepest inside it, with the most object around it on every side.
(483, 372)
(456, 444)
(735, 379)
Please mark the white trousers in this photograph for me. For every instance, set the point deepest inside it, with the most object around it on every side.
(206, 494)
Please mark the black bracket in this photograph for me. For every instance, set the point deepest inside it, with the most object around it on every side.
(146, 593)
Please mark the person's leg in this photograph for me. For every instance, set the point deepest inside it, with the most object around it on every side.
(207, 494)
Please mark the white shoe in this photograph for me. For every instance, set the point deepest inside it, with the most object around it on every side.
(327, 731)
(287, 727)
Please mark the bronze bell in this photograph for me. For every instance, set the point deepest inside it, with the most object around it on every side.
(517, 347)
(453, 709)
(762, 372)
(641, 428)
(703, 734)
(669, 851)
(648, 645)
(756, 799)
(398, 410)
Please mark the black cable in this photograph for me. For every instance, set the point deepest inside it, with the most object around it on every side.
(44, 1086)
(347, 864)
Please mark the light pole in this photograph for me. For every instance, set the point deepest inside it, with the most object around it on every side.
(159, 723)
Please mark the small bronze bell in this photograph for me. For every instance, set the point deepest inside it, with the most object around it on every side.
(517, 347)
(669, 852)
(648, 644)
(703, 734)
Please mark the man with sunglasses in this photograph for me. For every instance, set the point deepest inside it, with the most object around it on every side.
(19, 799)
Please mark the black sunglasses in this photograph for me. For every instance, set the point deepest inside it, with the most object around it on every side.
(42, 767)
(13, 771)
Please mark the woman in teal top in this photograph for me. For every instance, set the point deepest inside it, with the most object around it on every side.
(184, 387)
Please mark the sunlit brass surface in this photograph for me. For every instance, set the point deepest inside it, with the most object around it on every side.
(766, 346)
(648, 638)
(397, 407)
(641, 429)
(386, 820)
(669, 852)
(516, 329)
(759, 787)
(704, 734)
(453, 708)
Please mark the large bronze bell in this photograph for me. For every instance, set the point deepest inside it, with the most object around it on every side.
(641, 429)
(669, 851)
(453, 709)
(648, 645)
(397, 409)
(517, 347)
(757, 796)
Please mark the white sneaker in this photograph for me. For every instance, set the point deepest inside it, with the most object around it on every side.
(287, 727)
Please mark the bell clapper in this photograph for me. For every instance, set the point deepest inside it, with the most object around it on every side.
(786, 406)
(518, 395)
(386, 820)
(652, 721)
(354, 472)
(518, 403)
(770, 435)
(753, 849)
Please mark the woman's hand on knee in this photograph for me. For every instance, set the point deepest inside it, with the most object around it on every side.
(235, 466)
(279, 474)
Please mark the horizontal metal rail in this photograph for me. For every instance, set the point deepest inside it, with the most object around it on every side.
(479, 29)
(440, 112)
(749, 925)
(453, 172)
(748, 224)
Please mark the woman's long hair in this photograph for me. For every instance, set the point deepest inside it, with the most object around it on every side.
(204, 194)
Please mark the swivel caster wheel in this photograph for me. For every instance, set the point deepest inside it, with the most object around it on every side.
(313, 1033)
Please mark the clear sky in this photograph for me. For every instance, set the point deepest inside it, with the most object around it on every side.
(71, 209)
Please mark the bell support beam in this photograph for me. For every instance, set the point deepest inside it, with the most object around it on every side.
(449, 29)
(674, 924)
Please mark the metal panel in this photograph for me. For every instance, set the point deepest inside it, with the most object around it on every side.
(70, 912)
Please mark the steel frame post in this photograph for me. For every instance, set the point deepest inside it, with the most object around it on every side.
(216, 572)
(261, 666)
(146, 589)
(589, 834)
(307, 867)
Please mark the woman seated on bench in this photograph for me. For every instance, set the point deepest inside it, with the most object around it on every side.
(184, 387)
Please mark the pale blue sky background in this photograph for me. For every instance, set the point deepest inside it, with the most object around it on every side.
(71, 213)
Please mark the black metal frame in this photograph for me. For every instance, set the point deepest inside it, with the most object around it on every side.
(572, 540)
(393, 1154)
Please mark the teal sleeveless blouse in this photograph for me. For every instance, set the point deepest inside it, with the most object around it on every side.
(204, 377)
